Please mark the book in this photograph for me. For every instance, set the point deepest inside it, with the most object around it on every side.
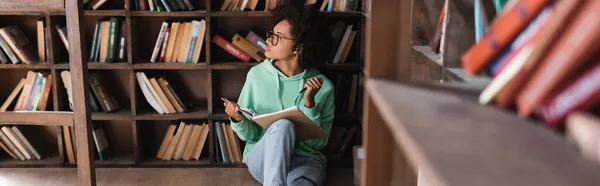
(46, 93)
(146, 90)
(173, 143)
(95, 42)
(11, 145)
(38, 93)
(17, 142)
(162, 96)
(104, 41)
(11, 55)
(193, 142)
(306, 129)
(3, 58)
(166, 140)
(113, 39)
(199, 42)
(185, 43)
(346, 47)
(200, 145)
(41, 40)
(172, 97)
(582, 94)
(19, 43)
(232, 49)
(27, 144)
(178, 41)
(37, 83)
(172, 41)
(257, 41)
(248, 48)
(62, 33)
(228, 144)
(122, 50)
(107, 101)
(100, 141)
(233, 141)
(29, 82)
(7, 150)
(571, 51)
(159, 41)
(163, 49)
(504, 29)
(69, 146)
(183, 141)
(196, 38)
(547, 36)
(222, 142)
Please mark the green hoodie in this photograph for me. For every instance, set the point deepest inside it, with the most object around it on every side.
(268, 90)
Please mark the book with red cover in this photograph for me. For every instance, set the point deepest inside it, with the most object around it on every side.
(232, 49)
(560, 19)
(504, 29)
(582, 94)
(572, 50)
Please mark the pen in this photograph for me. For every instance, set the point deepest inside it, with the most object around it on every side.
(303, 89)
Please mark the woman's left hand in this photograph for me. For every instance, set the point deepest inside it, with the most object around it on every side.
(313, 85)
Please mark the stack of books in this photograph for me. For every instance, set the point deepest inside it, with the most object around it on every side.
(162, 5)
(16, 48)
(160, 95)
(343, 36)
(100, 98)
(542, 63)
(109, 43)
(14, 143)
(227, 145)
(252, 46)
(30, 94)
(183, 142)
(179, 42)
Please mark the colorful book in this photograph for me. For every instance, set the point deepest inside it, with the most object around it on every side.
(159, 40)
(257, 41)
(232, 49)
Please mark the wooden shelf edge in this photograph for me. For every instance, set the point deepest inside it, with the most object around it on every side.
(37, 118)
(168, 14)
(439, 132)
(44, 66)
(98, 66)
(171, 66)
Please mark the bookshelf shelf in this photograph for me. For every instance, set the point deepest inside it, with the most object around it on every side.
(44, 66)
(37, 118)
(231, 165)
(98, 66)
(104, 13)
(232, 65)
(116, 160)
(268, 14)
(153, 115)
(470, 135)
(46, 161)
(171, 66)
(123, 114)
(154, 162)
(168, 14)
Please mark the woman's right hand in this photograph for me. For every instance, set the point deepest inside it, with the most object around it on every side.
(233, 110)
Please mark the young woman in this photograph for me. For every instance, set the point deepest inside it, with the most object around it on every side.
(272, 155)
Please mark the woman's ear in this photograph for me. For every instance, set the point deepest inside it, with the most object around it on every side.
(297, 49)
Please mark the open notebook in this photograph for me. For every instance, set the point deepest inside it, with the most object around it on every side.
(306, 129)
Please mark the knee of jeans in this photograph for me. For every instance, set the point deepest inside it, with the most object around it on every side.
(303, 181)
(282, 125)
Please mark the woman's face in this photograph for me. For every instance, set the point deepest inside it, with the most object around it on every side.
(280, 45)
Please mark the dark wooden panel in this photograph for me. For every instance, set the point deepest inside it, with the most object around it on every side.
(168, 14)
(119, 136)
(227, 84)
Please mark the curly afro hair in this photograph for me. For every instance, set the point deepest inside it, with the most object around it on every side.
(305, 29)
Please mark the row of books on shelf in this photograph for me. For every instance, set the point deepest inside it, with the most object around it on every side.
(100, 98)
(30, 94)
(100, 143)
(542, 62)
(324, 5)
(162, 5)
(160, 95)
(15, 144)
(183, 142)
(228, 147)
(109, 43)
(16, 47)
(348, 92)
(94, 4)
(179, 42)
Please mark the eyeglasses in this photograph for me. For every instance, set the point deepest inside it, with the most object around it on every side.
(275, 38)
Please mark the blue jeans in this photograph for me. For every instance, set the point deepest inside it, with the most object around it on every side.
(272, 161)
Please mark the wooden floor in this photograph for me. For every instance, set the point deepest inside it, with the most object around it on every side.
(148, 176)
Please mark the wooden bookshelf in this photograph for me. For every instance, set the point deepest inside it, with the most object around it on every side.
(422, 122)
(136, 128)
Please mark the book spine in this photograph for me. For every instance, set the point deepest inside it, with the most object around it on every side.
(222, 142)
(257, 41)
(151, 5)
(93, 102)
(233, 50)
(501, 33)
(569, 53)
(96, 57)
(38, 94)
(143, 5)
(164, 45)
(123, 43)
(166, 5)
(3, 58)
(188, 4)
(581, 95)
(8, 51)
(11, 146)
(32, 94)
(522, 39)
(161, 36)
(193, 40)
